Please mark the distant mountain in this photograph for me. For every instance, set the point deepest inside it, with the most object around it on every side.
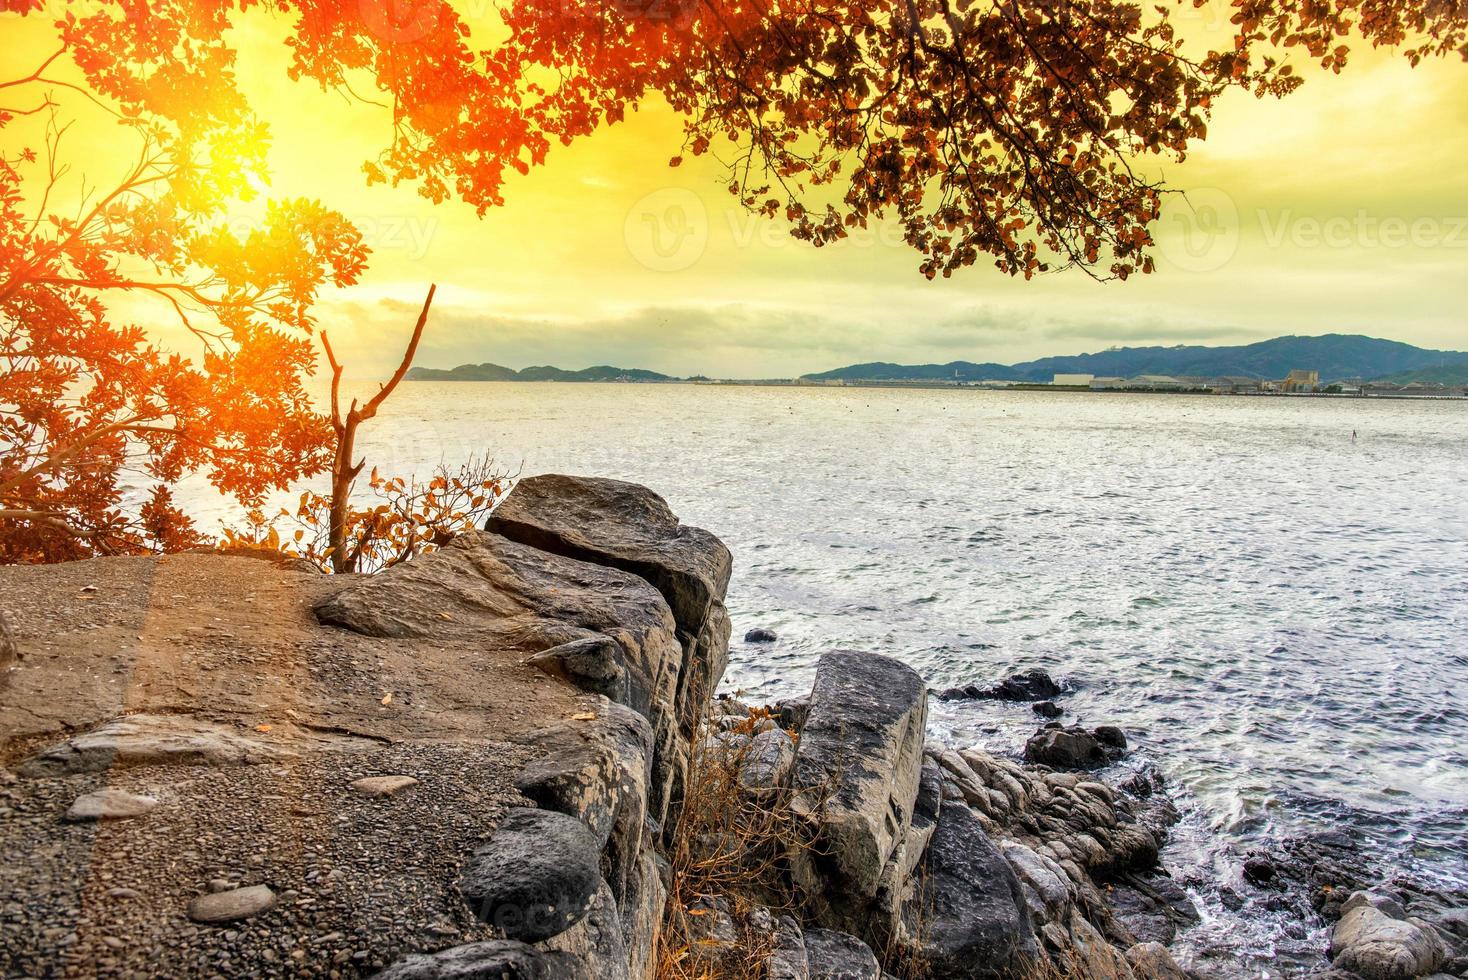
(1333, 355)
(497, 372)
(1451, 375)
(952, 371)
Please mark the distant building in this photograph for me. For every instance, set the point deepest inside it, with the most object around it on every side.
(1156, 382)
(1107, 384)
(1074, 380)
(1234, 385)
(1301, 381)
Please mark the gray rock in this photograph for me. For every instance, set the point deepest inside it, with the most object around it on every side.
(1152, 961)
(500, 592)
(153, 740)
(382, 785)
(760, 635)
(595, 664)
(1029, 685)
(767, 761)
(496, 959)
(1047, 709)
(1046, 887)
(578, 777)
(793, 712)
(109, 804)
(1152, 907)
(597, 940)
(1065, 748)
(536, 876)
(599, 773)
(642, 914)
(831, 955)
(858, 768)
(1112, 739)
(787, 959)
(229, 906)
(621, 525)
(969, 918)
(1375, 939)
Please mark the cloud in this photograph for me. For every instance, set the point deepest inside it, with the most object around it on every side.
(734, 340)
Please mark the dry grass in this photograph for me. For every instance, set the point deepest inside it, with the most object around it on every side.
(729, 857)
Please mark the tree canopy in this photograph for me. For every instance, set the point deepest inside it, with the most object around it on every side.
(1012, 131)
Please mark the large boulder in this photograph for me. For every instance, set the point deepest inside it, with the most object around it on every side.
(857, 771)
(501, 593)
(499, 959)
(537, 876)
(970, 917)
(628, 527)
(1376, 939)
(622, 525)
(599, 772)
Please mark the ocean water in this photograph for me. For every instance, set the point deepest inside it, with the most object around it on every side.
(1276, 613)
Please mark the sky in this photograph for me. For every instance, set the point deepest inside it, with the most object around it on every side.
(1342, 208)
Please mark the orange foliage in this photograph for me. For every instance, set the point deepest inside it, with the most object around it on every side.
(406, 519)
(1006, 129)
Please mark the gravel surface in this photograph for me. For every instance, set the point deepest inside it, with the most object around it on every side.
(358, 880)
(230, 644)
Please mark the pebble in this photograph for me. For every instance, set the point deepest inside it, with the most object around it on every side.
(219, 885)
(109, 804)
(382, 785)
(239, 903)
(124, 893)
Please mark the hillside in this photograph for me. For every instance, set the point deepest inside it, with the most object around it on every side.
(1450, 375)
(497, 372)
(1333, 355)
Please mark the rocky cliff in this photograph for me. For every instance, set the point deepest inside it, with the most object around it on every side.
(504, 759)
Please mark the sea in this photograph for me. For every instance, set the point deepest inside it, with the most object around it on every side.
(1269, 595)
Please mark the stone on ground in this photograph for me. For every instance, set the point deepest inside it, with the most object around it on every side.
(109, 804)
(536, 876)
(228, 906)
(595, 664)
(1065, 748)
(1152, 961)
(382, 785)
(496, 959)
(153, 740)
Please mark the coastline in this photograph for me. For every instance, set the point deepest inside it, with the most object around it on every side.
(583, 634)
(962, 386)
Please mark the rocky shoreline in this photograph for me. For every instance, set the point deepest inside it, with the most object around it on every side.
(497, 761)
